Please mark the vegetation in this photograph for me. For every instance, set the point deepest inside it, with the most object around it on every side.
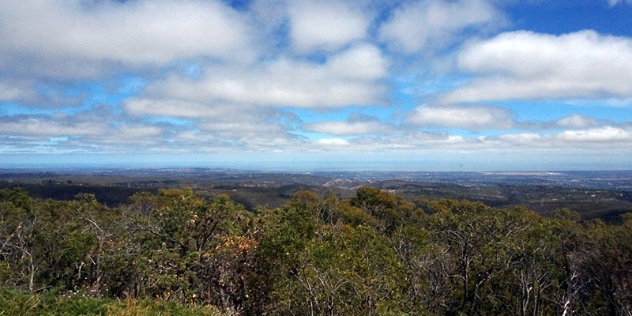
(175, 252)
(50, 303)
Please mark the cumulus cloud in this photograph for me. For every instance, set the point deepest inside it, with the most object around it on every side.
(13, 91)
(47, 127)
(210, 127)
(357, 124)
(332, 142)
(172, 108)
(407, 143)
(531, 66)
(347, 128)
(577, 141)
(420, 139)
(133, 33)
(362, 62)
(31, 94)
(416, 25)
(205, 77)
(606, 134)
(577, 121)
(247, 126)
(130, 131)
(466, 117)
(350, 77)
(98, 130)
(325, 25)
(521, 138)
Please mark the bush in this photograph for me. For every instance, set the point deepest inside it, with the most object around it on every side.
(22, 303)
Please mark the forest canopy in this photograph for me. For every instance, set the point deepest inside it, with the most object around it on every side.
(375, 253)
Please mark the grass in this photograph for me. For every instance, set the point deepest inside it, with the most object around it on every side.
(28, 304)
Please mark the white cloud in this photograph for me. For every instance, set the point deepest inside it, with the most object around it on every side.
(325, 25)
(466, 117)
(577, 121)
(46, 127)
(134, 33)
(31, 94)
(13, 91)
(607, 134)
(128, 131)
(213, 79)
(97, 130)
(423, 139)
(332, 142)
(417, 25)
(250, 131)
(287, 82)
(364, 62)
(244, 127)
(521, 138)
(526, 65)
(172, 108)
(348, 128)
(209, 126)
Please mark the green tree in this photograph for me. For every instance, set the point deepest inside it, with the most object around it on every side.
(474, 246)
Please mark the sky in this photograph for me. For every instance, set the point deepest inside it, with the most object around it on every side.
(436, 85)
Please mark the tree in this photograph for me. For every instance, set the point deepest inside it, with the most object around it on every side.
(474, 246)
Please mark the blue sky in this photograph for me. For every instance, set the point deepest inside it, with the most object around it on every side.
(317, 85)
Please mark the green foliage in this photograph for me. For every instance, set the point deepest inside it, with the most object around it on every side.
(176, 253)
(18, 197)
(27, 304)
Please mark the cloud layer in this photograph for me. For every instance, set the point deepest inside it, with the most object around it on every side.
(331, 78)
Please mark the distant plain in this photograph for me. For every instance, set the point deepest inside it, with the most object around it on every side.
(593, 194)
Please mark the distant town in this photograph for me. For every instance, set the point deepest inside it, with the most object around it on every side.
(594, 179)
